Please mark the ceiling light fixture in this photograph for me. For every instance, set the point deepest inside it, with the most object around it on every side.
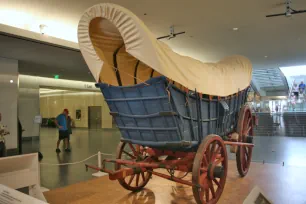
(235, 29)
(266, 56)
(11, 81)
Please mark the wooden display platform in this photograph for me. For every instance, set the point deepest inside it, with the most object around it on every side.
(280, 184)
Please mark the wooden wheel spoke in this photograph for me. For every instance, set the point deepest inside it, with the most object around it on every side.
(133, 149)
(207, 194)
(244, 122)
(137, 179)
(203, 178)
(217, 182)
(243, 159)
(248, 131)
(143, 176)
(245, 163)
(131, 179)
(205, 160)
(202, 181)
(249, 121)
(202, 195)
(246, 152)
(211, 187)
(125, 152)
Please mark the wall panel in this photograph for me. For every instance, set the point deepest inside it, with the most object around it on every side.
(9, 98)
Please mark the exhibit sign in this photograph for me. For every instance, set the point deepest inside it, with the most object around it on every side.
(37, 119)
(78, 114)
(22, 171)
(257, 197)
(11, 196)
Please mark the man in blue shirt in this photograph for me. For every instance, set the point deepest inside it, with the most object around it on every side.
(61, 123)
(302, 87)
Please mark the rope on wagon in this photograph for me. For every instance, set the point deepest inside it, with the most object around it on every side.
(72, 163)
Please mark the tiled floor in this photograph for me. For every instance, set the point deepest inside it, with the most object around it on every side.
(84, 143)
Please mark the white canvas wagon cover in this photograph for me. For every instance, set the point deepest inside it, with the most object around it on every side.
(120, 50)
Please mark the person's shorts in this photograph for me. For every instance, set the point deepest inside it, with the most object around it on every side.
(63, 134)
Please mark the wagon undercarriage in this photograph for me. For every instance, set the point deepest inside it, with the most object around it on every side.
(135, 164)
(146, 159)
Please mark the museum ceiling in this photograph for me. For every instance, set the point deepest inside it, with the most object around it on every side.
(214, 29)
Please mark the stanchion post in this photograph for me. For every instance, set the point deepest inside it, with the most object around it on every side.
(99, 173)
(99, 160)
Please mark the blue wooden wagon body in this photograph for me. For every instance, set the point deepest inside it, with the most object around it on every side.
(159, 115)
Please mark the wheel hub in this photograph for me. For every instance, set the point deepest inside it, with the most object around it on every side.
(215, 171)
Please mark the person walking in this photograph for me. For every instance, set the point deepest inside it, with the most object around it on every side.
(69, 124)
(19, 131)
(302, 87)
(3, 132)
(62, 125)
(295, 90)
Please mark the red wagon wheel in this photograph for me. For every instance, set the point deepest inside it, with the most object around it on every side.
(245, 131)
(209, 170)
(128, 151)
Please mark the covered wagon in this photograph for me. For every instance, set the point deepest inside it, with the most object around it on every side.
(174, 112)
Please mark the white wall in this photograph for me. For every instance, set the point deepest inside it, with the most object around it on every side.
(33, 81)
(9, 98)
(28, 108)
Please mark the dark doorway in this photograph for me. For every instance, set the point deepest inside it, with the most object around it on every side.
(94, 117)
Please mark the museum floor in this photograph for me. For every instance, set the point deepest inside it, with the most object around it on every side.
(282, 185)
(84, 143)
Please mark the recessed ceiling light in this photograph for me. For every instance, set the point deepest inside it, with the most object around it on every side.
(266, 56)
(235, 29)
(145, 14)
(11, 81)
